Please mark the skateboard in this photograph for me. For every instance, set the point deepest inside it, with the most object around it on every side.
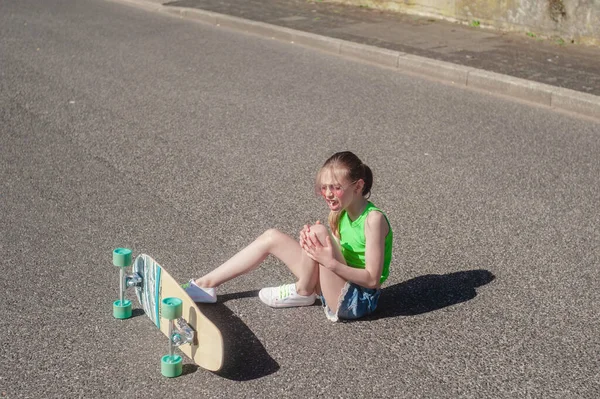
(170, 309)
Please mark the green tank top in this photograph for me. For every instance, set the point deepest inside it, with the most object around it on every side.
(353, 242)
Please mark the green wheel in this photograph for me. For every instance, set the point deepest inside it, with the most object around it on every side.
(122, 257)
(171, 308)
(122, 310)
(171, 366)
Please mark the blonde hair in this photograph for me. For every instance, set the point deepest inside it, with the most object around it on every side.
(347, 165)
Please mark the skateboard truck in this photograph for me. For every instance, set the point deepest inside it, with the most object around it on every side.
(133, 280)
(184, 335)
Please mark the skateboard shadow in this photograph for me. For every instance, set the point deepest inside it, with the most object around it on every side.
(245, 358)
(137, 312)
(430, 292)
(189, 369)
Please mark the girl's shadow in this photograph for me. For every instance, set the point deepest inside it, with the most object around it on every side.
(246, 358)
(430, 292)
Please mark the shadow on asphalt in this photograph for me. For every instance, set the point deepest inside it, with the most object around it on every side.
(189, 369)
(245, 357)
(430, 292)
(137, 312)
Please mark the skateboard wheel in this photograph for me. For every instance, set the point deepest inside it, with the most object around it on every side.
(171, 366)
(122, 257)
(171, 308)
(122, 310)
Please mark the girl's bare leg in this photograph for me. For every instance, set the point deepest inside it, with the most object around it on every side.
(274, 242)
(330, 284)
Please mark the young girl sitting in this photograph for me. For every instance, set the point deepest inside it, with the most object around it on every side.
(344, 268)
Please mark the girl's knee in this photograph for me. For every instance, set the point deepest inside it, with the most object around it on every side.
(320, 231)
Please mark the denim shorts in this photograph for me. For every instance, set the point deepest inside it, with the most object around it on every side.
(355, 302)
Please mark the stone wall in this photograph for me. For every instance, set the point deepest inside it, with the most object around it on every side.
(570, 20)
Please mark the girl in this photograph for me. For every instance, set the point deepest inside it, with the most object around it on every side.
(344, 267)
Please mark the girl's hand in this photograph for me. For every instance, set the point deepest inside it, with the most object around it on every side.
(320, 253)
(303, 236)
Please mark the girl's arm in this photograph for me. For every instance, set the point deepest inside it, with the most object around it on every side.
(376, 229)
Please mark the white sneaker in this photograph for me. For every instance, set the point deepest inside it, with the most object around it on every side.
(285, 296)
(199, 294)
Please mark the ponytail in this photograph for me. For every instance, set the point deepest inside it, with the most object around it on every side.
(334, 222)
(368, 179)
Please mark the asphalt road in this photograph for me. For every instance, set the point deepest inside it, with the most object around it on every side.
(123, 127)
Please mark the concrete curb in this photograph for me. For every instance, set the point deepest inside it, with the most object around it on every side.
(538, 93)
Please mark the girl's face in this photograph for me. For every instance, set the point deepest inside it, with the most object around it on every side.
(337, 191)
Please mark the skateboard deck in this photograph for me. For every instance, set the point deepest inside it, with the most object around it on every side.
(206, 350)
